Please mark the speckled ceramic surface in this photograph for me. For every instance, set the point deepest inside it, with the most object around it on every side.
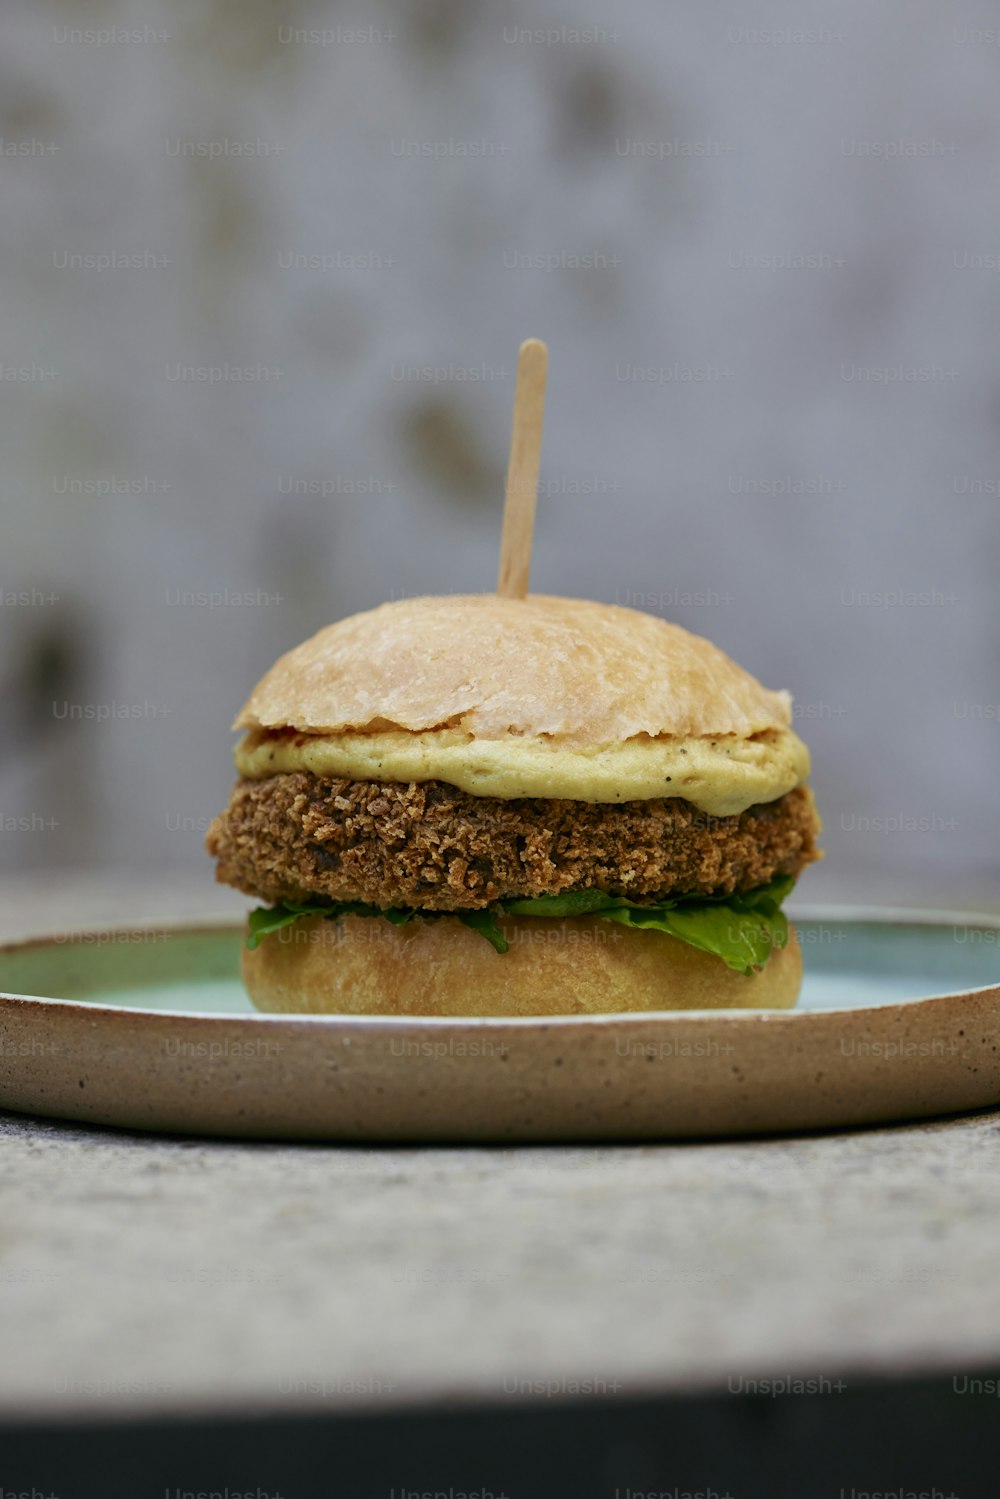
(150, 1029)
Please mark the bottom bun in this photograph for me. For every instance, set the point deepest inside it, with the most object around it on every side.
(362, 965)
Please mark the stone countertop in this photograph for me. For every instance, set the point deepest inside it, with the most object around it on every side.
(141, 1275)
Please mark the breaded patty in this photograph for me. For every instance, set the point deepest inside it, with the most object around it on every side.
(299, 837)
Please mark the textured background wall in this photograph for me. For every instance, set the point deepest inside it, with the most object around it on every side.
(762, 242)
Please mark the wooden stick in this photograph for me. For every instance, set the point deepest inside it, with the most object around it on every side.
(522, 470)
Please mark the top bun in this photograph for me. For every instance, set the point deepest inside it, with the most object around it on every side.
(491, 666)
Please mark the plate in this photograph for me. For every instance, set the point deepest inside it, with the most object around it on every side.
(149, 1028)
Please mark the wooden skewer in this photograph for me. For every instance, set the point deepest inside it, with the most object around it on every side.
(522, 470)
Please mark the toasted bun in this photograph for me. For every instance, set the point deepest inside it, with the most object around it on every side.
(581, 966)
(588, 673)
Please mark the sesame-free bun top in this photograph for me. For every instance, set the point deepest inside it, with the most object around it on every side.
(581, 672)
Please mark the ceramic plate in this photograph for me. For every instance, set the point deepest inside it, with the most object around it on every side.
(151, 1029)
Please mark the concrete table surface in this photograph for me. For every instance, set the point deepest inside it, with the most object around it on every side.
(142, 1275)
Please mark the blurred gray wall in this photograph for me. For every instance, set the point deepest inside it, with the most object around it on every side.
(265, 270)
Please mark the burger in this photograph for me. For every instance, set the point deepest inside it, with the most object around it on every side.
(482, 805)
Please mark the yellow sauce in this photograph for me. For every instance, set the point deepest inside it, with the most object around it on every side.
(720, 776)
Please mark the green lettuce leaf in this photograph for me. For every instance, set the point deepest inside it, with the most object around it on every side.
(570, 903)
(740, 929)
(267, 919)
(743, 930)
(744, 940)
(485, 923)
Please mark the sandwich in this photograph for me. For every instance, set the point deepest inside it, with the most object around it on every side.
(476, 805)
